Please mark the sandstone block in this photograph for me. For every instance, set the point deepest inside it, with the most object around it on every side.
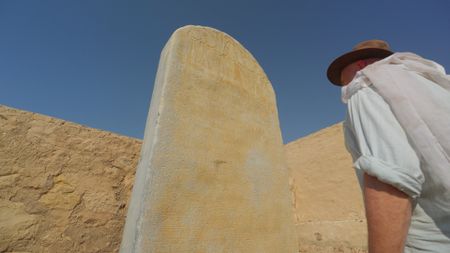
(16, 225)
(63, 186)
(329, 210)
(212, 176)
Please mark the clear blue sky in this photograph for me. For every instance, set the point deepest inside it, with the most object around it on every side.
(94, 61)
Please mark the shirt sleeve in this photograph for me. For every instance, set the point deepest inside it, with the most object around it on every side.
(379, 145)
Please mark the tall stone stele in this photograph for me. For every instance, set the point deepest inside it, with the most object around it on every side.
(212, 176)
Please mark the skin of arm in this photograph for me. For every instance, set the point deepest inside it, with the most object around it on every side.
(388, 213)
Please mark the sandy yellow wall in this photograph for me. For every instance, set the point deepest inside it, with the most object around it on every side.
(329, 213)
(63, 187)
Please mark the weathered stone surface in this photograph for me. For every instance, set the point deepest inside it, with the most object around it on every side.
(212, 175)
(63, 187)
(15, 224)
(329, 210)
(62, 159)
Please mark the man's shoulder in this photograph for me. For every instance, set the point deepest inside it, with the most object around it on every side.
(361, 93)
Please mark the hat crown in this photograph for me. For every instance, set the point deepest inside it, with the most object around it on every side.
(372, 44)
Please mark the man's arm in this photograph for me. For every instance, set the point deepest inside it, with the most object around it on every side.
(388, 213)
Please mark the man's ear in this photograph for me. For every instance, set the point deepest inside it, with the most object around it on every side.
(361, 64)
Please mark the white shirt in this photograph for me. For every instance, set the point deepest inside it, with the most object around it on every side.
(380, 147)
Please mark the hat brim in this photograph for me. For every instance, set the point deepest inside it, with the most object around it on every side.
(336, 67)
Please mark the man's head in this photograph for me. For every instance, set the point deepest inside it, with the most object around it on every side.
(349, 71)
(342, 70)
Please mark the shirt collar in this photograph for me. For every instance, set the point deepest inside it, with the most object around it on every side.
(359, 81)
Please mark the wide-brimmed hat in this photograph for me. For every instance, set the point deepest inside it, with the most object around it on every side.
(363, 50)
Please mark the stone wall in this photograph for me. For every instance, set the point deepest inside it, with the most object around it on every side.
(329, 211)
(64, 187)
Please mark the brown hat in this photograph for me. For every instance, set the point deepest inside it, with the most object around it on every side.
(363, 50)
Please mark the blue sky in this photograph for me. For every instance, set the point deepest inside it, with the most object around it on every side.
(94, 62)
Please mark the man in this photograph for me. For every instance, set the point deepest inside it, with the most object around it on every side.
(398, 132)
